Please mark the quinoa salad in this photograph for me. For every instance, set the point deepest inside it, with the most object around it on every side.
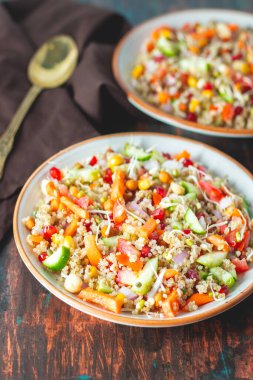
(141, 231)
(201, 73)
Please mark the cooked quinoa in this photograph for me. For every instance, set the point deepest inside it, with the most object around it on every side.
(200, 72)
(141, 231)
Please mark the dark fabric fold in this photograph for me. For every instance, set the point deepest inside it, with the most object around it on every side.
(89, 104)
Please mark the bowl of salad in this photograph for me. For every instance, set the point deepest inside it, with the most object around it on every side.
(191, 69)
(147, 230)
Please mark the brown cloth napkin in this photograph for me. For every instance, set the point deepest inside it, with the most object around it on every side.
(62, 116)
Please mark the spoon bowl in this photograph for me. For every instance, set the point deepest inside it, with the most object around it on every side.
(54, 62)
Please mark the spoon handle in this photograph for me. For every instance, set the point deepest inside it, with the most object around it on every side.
(7, 138)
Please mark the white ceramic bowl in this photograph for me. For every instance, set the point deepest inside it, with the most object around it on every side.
(128, 49)
(215, 160)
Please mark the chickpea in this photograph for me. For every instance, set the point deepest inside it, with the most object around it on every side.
(108, 205)
(144, 184)
(131, 184)
(30, 223)
(164, 177)
(73, 283)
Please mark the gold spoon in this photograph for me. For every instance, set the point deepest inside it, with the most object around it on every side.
(51, 66)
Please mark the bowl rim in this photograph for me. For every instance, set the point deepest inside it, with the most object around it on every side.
(155, 111)
(99, 312)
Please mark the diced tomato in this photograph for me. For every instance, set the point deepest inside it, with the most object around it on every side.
(213, 192)
(231, 239)
(161, 191)
(63, 189)
(126, 277)
(49, 231)
(126, 247)
(119, 212)
(159, 213)
(240, 265)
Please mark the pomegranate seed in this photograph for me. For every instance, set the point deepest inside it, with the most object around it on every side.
(145, 251)
(159, 214)
(201, 168)
(127, 159)
(42, 256)
(87, 226)
(167, 155)
(187, 231)
(154, 236)
(251, 101)
(224, 289)
(55, 173)
(238, 110)
(108, 176)
(189, 96)
(187, 162)
(192, 274)
(93, 161)
(208, 86)
(161, 191)
(236, 57)
(49, 231)
(191, 116)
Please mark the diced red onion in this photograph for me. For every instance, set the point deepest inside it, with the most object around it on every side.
(133, 206)
(157, 284)
(180, 258)
(226, 202)
(128, 293)
(217, 213)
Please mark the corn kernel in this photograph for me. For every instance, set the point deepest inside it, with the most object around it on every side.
(164, 177)
(93, 272)
(131, 184)
(144, 184)
(194, 103)
(121, 298)
(80, 194)
(192, 81)
(30, 223)
(69, 242)
(158, 298)
(245, 68)
(108, 205)
(57, 239)
(207, 93)
(137, 71)
(166, 33)
(115, 160)
(78, 165)
(73, 191)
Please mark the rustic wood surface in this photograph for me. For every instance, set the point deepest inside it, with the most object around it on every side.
(43, 338)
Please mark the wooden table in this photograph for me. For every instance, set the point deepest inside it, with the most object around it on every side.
(42, 338)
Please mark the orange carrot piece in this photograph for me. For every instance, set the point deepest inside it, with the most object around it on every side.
(156, 198)
(93, 253)
(163, 97)
(105, 300)
(150, 46)
(71, 228)
(118, 186)
(169, 273)
(183, 107)
(170, 305)
(124, 260)
(119, 211)
(148, 228)
(35, 239)
(78, 211)
(219, 242)
(199, 299)
(55, 203)
(227, 112)
(183, 154)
